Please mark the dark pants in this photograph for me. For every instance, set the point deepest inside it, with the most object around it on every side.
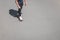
(19, 10)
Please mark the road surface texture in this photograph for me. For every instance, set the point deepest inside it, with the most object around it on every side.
(41, 21)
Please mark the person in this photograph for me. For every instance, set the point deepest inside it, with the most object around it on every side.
(19, 4)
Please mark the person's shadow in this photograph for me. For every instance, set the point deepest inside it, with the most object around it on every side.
(14, 13)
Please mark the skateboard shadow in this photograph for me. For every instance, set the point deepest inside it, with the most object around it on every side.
(13, 12)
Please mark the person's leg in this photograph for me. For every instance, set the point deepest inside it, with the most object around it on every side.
(19, 10)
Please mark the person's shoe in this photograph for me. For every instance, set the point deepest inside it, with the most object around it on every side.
(21, 19)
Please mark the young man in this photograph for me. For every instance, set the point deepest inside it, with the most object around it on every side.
(19, 4)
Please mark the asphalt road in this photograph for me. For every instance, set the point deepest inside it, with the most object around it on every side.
(41, 21)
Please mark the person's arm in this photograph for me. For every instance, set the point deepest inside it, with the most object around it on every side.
(25, 2)
(16, 1)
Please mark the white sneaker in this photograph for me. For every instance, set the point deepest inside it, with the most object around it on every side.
(21, 18)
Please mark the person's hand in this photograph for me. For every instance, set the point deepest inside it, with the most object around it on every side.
(19, 7)
(26, 5)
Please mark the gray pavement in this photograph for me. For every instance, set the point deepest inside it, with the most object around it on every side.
(41, 21)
